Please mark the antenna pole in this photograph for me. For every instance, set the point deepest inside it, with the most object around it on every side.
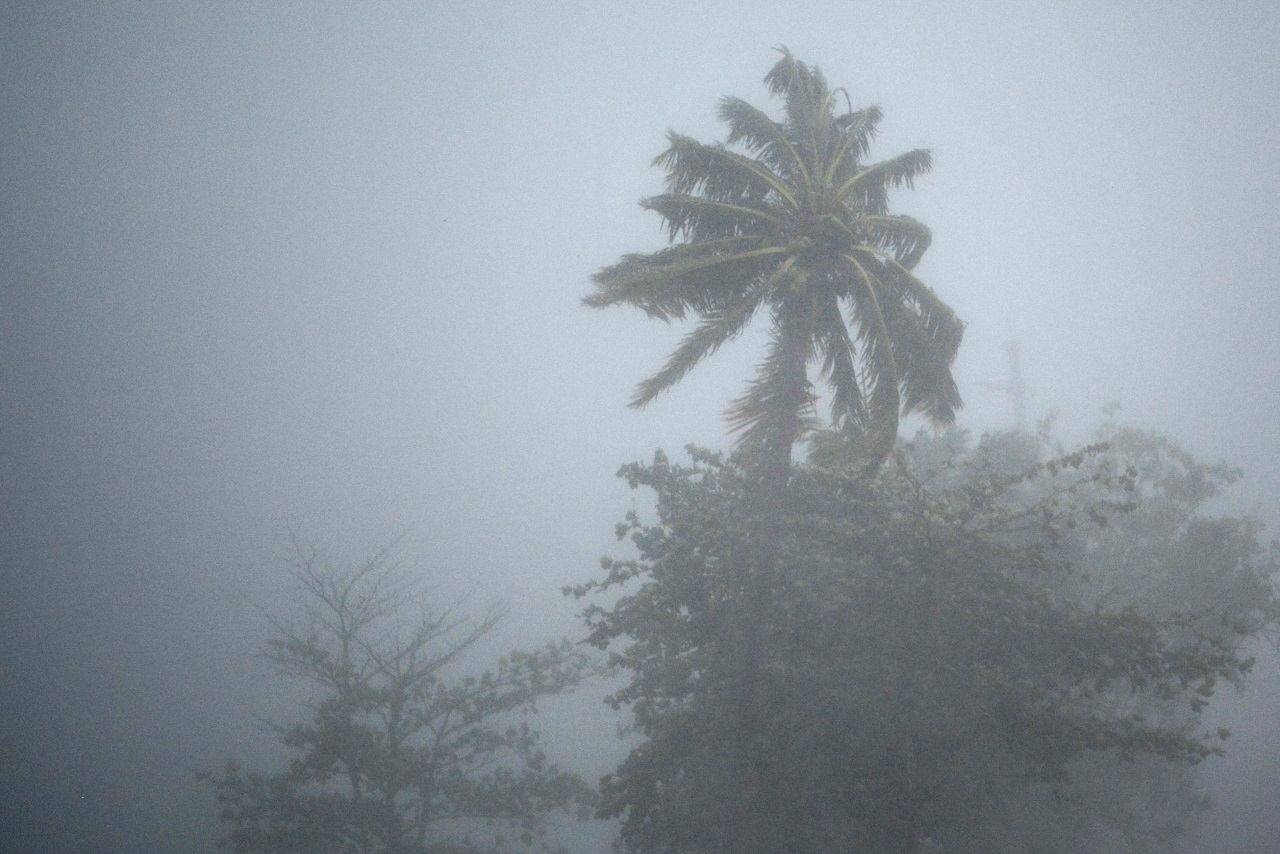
(1017, 388)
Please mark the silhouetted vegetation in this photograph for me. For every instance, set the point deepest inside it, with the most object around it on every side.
(983, 648)
(891, 648)
(787, 218)
(405, 750)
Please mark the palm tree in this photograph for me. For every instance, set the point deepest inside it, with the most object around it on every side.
(785, 217)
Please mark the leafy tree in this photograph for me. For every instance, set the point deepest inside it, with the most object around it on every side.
(786, 217)
(968, 653)
(400, 754)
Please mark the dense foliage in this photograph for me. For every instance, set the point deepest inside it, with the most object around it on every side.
(787, 218)
(400, 754)
(977, 650)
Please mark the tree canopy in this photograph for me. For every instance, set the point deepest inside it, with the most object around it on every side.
(981, 649)
(787, 217)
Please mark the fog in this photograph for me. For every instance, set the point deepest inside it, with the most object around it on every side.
(319, 265)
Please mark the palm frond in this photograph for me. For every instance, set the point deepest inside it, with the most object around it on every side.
(716, 328)
(858, 129)
(938, 318)
(861, 126)
(881, 376)
(804, 91)
(926, 336)
(868, 187)
(700, 219)
(718, 173)
(927, 340)
(905, 237)
(839, 367)
(763, 137)
(924, 365)
(787, 74)
(680, 279)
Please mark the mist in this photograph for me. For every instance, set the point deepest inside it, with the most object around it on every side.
(318, 267)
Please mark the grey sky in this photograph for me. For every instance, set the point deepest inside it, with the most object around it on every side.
(321, 262)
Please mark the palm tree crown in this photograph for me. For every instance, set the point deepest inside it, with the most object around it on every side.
(785, 217)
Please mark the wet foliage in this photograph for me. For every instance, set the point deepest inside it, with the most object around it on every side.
(991, 646)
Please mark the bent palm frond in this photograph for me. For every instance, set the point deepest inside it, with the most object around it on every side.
(764, 137)
(701, 219)
(716, 328)
(869, 185)
(669, 284)
(905, 237)
(718, 173)
(784, 215)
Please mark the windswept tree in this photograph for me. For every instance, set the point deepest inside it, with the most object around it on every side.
(786, 218)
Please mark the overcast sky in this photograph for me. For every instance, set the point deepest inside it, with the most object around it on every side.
(319, 264)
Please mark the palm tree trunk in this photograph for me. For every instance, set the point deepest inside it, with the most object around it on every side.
(758, 767)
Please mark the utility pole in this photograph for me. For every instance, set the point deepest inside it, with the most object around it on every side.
(1015, 387)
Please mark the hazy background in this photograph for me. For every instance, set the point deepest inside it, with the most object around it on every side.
(319, 264)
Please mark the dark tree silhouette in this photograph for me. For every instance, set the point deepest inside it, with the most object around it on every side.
(979, 649)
